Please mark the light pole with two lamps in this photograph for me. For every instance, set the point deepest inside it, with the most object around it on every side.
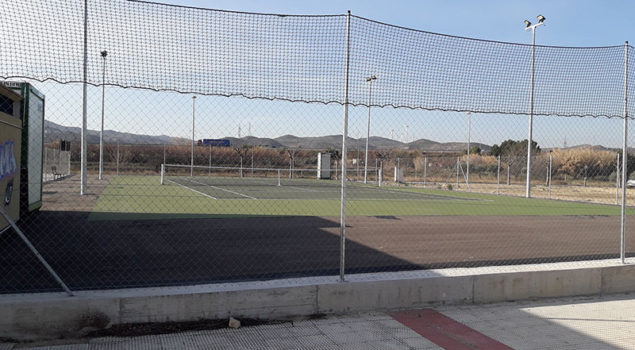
(369, 80)
(528, 26)
(101, 134)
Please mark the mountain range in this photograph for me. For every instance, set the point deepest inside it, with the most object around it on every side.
(55, 132)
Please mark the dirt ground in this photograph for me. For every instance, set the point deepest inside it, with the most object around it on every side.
(591, 194)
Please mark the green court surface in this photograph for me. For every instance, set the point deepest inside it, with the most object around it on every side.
(141, 197)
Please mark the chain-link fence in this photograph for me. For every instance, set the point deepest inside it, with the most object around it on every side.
(207, 146)
(57, 164)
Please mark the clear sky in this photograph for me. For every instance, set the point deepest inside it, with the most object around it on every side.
(569, 23)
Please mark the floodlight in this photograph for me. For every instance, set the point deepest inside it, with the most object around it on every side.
(528, 25)
(371, 78)
(101, 134)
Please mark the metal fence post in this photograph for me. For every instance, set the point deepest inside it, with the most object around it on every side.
(617, 180)
(498, 176)
(624, 159)
(117, 157)
(508, 178)
(550, 167)
(344, 136)
(425, 171)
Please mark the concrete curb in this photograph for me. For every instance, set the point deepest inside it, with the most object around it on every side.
(54, 315)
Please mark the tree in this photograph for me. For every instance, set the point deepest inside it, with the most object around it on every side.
(514, 153)
(514, 148)
(335, 153)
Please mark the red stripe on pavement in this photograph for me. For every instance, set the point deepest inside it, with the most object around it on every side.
(446, 332)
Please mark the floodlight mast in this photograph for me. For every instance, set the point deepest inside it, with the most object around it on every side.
(193, 116)
(101, 134)
(369, 80)
(528, 26)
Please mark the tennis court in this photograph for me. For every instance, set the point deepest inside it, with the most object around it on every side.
(254, 188)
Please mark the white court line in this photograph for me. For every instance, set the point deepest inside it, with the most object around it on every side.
(301, 189)
(222, 189)
(193, 190)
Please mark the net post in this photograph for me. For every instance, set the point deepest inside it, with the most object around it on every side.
(344, 136)
(279, 184)
(458, 164)
(508, 178)
(498, 176)
(624, 159)
(162, 173)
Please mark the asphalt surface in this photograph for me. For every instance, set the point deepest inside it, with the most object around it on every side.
(91, 254)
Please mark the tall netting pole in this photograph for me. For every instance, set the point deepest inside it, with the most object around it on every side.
(624, 158)
(84, 151)
(344, 136)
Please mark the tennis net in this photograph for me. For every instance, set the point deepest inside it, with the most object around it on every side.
(247, 176)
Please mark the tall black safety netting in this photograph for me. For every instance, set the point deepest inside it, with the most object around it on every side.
(221, 155)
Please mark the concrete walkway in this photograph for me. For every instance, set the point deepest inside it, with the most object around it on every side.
(572, 323)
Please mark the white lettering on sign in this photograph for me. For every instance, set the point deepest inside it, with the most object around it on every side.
(8, 163)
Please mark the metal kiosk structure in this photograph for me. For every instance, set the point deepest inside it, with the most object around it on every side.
(10, 137)
(13, 142)
(32, 115)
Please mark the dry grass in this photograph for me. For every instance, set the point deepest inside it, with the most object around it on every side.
(590, 194)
